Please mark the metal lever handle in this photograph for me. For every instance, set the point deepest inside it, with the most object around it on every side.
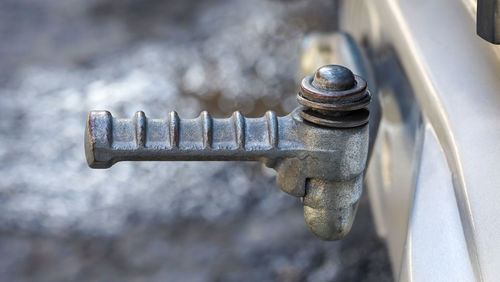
(319, 151)
(174, 139)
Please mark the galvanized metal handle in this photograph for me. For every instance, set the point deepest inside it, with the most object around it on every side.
(237, 138)
(319, 151)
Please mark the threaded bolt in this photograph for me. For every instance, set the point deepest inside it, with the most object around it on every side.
(334, 97)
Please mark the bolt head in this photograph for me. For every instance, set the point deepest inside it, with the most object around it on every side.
(334, 77)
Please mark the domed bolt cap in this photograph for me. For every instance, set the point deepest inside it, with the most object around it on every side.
(334, 77)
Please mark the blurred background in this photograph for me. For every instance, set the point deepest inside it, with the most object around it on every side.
(183, 221)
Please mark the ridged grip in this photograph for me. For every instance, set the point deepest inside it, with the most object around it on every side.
(109, 140)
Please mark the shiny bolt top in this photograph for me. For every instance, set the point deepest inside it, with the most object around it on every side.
(333, 77)
(334, 97)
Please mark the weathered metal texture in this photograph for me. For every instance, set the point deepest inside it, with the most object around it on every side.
(339, 48)
(488, 20)
(334, 97)
(324, 165)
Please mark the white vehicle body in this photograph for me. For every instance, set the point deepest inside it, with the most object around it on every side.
(433, 178)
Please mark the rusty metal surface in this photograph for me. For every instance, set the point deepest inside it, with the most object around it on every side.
(334, 98)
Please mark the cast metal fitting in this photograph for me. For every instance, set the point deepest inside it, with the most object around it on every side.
(319, 151)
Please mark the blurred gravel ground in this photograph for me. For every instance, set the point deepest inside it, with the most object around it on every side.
(61, 221)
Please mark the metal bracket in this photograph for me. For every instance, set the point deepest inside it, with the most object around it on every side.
(319, 151)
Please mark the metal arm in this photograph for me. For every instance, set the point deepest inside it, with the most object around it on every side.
(319, 151)
(201, 139)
